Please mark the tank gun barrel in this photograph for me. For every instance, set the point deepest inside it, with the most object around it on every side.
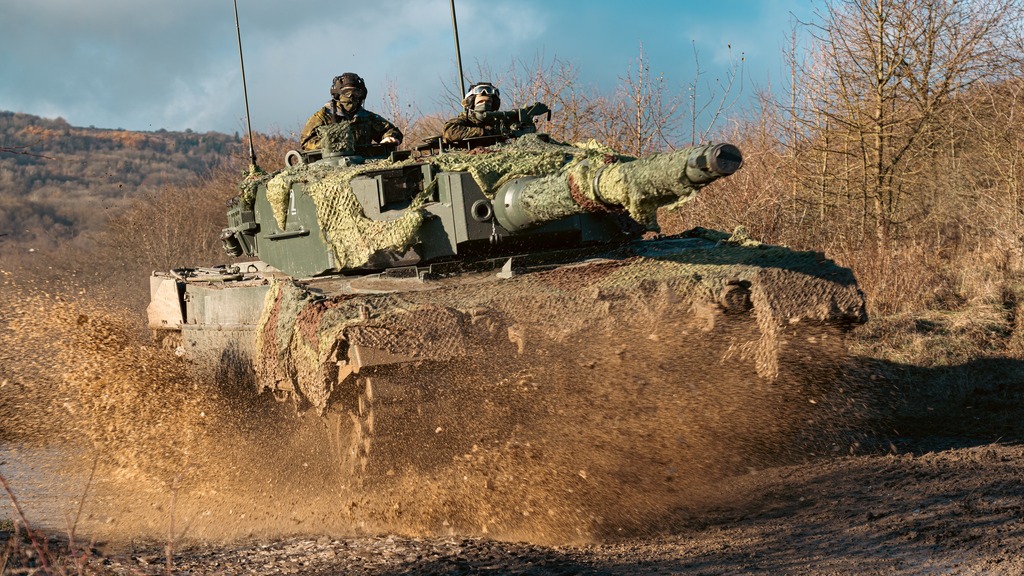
(638, 187)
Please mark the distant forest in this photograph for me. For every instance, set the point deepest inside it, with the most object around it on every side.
(58, 181)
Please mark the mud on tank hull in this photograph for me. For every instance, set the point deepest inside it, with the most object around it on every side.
(418, 367)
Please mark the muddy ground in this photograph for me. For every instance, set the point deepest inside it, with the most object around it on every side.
(937, 506)
(944, 496)
(583, 463)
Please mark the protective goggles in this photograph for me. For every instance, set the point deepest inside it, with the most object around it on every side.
(484, 89)
(350, 92)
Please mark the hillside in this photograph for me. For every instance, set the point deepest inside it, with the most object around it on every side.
(58, 181)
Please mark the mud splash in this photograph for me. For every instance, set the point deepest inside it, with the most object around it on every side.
(590, 442)
(585, 444)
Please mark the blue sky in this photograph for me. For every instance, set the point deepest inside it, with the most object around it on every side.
(152, 64)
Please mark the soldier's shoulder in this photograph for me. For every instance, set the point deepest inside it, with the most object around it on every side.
(460, 119)
(369, 114)
(322, 112)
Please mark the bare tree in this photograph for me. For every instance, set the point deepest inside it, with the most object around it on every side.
(993, 136)
(640, 117)
(889, 72)
(402, 115)
(709, 101)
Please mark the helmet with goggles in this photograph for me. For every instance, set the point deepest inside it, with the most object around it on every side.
(349, 91)
(482, 96)
(350, 85)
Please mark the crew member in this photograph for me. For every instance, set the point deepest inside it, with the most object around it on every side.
(348, 92)
(472, 122)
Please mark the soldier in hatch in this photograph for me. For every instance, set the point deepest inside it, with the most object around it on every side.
(471, 123)
(348, 92)
(480, 117)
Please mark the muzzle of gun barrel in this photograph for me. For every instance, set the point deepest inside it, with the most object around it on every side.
(711, 162)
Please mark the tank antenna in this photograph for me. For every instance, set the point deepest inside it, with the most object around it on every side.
(245, 92)
(458, 53)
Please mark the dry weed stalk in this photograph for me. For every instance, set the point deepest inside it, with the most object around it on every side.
(169, 548)
(81, 556)
(41, 551)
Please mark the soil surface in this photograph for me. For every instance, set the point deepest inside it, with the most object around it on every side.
(587, 463)
(937, 507)
(922, 503)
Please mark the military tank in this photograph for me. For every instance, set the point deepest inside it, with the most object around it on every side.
(373, 284)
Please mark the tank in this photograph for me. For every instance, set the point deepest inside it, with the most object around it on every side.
(428, 302)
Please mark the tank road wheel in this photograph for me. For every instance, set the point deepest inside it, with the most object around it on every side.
(351, 431)
(362, 427)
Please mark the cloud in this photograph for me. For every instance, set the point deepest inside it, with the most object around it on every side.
(150, 65)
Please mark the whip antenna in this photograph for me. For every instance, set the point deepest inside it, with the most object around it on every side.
(458, 53)
(245, 92)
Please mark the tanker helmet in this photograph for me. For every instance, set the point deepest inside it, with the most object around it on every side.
(349, 90)
(483, 97)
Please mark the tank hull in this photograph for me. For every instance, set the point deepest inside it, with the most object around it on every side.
(399, 362)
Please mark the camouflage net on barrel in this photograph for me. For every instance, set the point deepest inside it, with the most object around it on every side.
(602, 308)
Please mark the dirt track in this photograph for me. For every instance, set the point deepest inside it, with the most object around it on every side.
(253, 491)
(959, 510)
(955, 509)
(943, 497)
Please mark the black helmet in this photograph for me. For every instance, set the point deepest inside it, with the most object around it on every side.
(348, 80)
(482, 88)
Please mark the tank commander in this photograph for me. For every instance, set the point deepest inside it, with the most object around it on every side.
(348, 92)
(471, 123)
(480, 116)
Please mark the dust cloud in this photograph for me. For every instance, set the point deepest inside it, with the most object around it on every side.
(629, 433)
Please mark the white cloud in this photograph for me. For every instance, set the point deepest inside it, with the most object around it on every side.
(147, 64)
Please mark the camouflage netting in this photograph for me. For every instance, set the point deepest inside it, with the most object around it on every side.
(587, 305)
(353, 237)
(524, 156)
(567, 176)
(337, 138)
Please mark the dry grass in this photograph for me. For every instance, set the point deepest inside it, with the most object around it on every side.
(172, 227)
(29, 551)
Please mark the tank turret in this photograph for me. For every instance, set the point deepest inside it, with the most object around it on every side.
(337, 212)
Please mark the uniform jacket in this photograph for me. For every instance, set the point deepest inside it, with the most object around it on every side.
(465, 126)
(367, 127)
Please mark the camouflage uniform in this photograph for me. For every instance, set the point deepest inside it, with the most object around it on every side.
(467, 126)
(366, 126)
